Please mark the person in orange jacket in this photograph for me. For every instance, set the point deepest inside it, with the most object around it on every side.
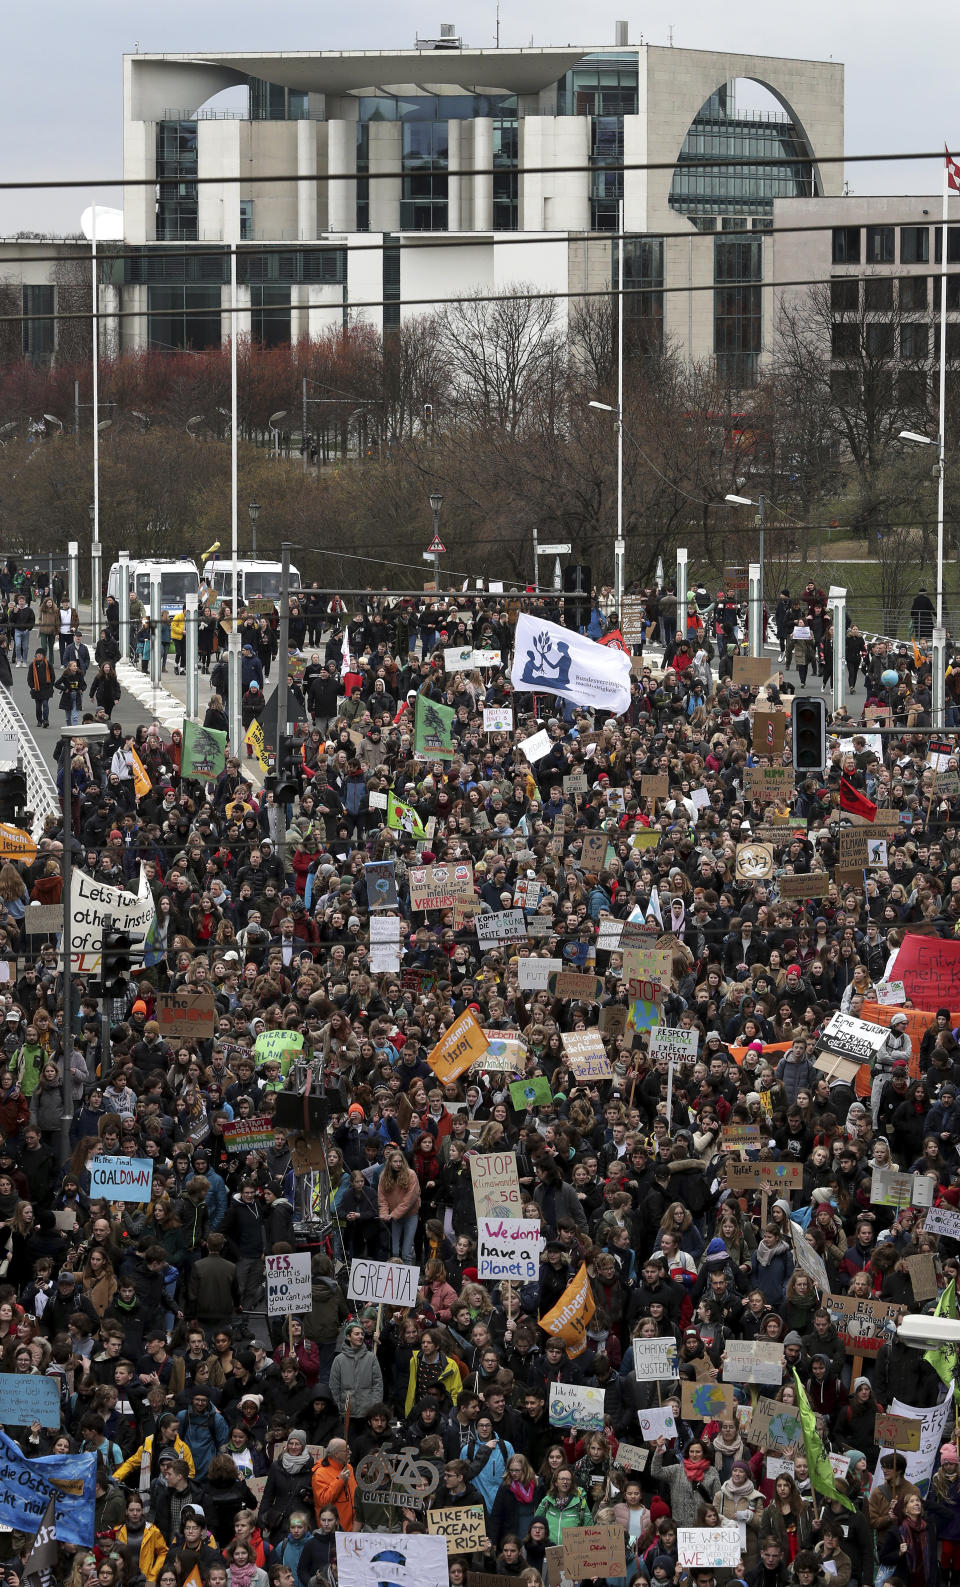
(333, 1483)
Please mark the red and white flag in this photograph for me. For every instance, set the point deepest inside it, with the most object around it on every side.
(953, 171)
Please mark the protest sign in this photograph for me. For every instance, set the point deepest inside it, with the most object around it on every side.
(773, 1425)
(920, 1461)
(248, 1135)
(457, 658)
(29, 1397)
(815, 885)
(752, 671)
(852, 1038)
(645, 964)
(896, 1432)
(536, 1092)
(569, 1318)
(502, 925)
(509, 1248)
(752, 1361)
(929, 968)
(657, 1421)
(533, 973)
(706, 1401)
(458, 1049)
(775, 1466)
(583, 1044)
(923, 1276)
(677, 1046)
(121, 1178)
(40, 920)
(943, 1220)
(536, 746)
(186, 1015)
(496, 1188)
(385, 928)
(506, 1052)
(613, 1020)
(593, 850)
(576, 783)
(382, 1283)
(283, 1045)
(593, 1553)
(863, 1325)
(569, 983)
(767, 783)
(654, 786)
(498, 719)
(633, 1457)
(891, 1189)
(709, 1547)
(769, 731)
(488, 658)
(380, 879)
(760, 1176)
(463, 1525)
(837, 1068)
(439, 886)
(654, 1359)
(572, 1405)
(754, 862)
(289, 1284)
(890, 994)
(366, 1559)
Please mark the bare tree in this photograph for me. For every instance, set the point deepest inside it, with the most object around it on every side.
(504, 353)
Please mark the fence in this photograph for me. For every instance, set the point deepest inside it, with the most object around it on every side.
(41, 789)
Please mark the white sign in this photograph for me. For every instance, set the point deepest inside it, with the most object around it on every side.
(751, 1361)
(654, 1359)
(489, 658)
(573, 1406)
(384, 959)
(498, 719)
(509, 1248)
(368, 1559)
(559, 661)
(709, 1547)
(678, 1046)
(920, 1462)
(533, 974)
(505, 925)
(459, 659)
(382, 1283)
(853, 1038)
(778, 1466)
(91, 903)
(657, 1422)
(9, 747)
(537, 745)
(385, 928)
(943, 1220)
(891, 994)
(289, 1284)
(377, 801)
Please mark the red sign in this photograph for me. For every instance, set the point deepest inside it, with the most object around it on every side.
(929, 968)
(436, 544)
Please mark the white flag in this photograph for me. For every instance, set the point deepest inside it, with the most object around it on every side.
(345, 650)
(653, 908)
(559, 661)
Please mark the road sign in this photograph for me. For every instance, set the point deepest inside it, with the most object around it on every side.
(436, 545)
(554, 551)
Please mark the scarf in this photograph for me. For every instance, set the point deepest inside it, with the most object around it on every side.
(524, 1491)
(294, 1464)
(766, 1253)
(696, 1470)
(242, 1575)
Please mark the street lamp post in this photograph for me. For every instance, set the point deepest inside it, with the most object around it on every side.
(86, 730)
(254, 511)
(939, 634)
(436, 502)
(757, 636)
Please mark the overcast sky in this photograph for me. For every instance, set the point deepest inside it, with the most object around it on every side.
(61, 112)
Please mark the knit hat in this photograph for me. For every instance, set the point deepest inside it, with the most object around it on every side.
(299, 1434)
(755, 1046)
(658, 1509)
(899, 1019)
(855, 1455)
(793, 1338)
(716, 1252)
(139, 1007)
(948, 1454)
(794, 969)
(859, 1382)
(355, 1108)
(744, 1465)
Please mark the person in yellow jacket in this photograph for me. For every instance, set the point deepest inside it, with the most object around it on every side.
(153, 1545)
(178, 623)
(430, 1368)
(167, 1436)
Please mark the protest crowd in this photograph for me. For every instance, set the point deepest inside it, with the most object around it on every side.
(595, 1101)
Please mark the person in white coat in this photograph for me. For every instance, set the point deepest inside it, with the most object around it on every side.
(897, 1045)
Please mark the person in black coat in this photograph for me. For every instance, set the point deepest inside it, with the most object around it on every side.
(223, 1495)
(105, 689)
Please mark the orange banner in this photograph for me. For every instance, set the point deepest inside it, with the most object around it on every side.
(569, 1318)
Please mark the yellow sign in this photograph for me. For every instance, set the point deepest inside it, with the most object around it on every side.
(15, 844)
(141, 782)
(569, 1318)
(458, 1048)
(255, 740)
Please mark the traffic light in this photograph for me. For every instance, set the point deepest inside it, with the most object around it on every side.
(13, 795)
(289, 762)
(115, 956)
(809, 721)
(577, 582)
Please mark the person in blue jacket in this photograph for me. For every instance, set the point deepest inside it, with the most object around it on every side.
(771, 1266)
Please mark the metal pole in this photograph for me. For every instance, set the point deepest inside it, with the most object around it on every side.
(939, 664)
(96, 375)
(233, 642)
(838, 607)
(76, 409)
(619, 545)
(253, 535)
(50, 573)
(536, 563)
(96, 589)
(436, 554)
(73, 573)
(762, 523)
(191, 622)
(66, 1118)
(283, 649)
(155, 634)
(124, 629)
(682, 591)
(754, 608)
(303, 426)
(106, 1055)
(942, 422)
(669, 1094)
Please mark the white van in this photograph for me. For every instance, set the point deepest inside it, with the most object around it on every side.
(178, 579)
(259, 581)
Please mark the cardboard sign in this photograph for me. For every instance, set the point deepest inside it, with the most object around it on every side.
(633, 1457)
(923, 1276)
(815, 885)
(752, 1361)
(185, 1016)
(570, 983)
(459, 1048)
(121, 1178)
(613, 1019)
(41, 920)
(896, 1432)
(289, 1284)
(837, 1068)
(645, 964)
(755, 862)
(773, 1425)
(509, 1248)
(654, 1360)
(752, 671)
(496, 1188)
(759, 1176)
(576, 783)
(27, 1397)
(593, 1552)
(382, 1283)
(860, 849)
(863, 1325)
(769, 731)
(572, 1405)
(440, 886)
(709, 1547)
(463, 1525)
(593, 851)
(706, 1401)
(764, 784)
(654, 787)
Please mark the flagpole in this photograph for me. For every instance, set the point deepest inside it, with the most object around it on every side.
(941, 427)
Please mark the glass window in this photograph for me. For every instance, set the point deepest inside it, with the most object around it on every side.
(845, 295)
(914, 244)
(914, 293)
(39, 335)
(881, 247)
(270, 313)
(846, 244)
(183, 315)
(246, 219)
(953, 244)
(391, 288)
(506, 184)
(878, 294)
(643, 287)
(845, 340)
(879, 340)
(914, 340)
(738, 309)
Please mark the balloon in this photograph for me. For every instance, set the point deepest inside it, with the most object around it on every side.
(889, 678)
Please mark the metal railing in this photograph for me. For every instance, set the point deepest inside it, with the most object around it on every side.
(41, 789)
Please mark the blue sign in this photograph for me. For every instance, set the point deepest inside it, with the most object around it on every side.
(27, 1397)
(24, 1491)
(74, 1501)
(121, 1179)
